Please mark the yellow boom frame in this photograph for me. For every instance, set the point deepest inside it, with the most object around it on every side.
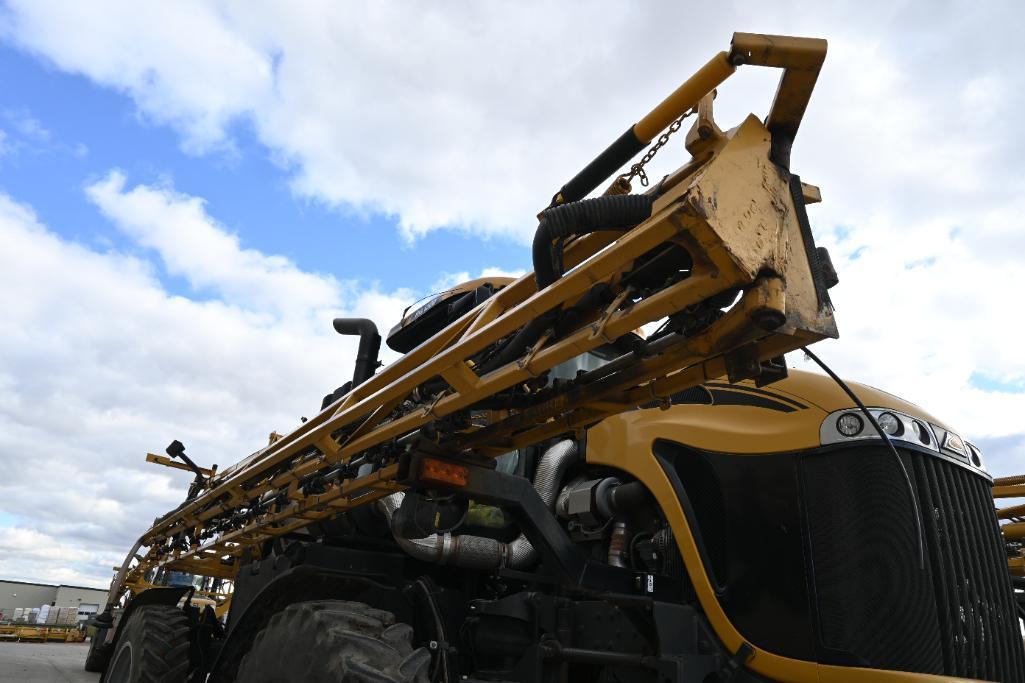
(731, 207)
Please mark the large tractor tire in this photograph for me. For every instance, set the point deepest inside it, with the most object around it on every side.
(334, 641)
(98, 656)
(153, 647)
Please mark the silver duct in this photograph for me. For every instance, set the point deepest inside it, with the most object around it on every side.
(478, 552)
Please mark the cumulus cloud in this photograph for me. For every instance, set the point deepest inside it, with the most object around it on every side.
(448, 280)
(193, 245)
(100, 364)
(469, 120)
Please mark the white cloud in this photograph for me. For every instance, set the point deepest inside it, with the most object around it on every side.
(448, 280)
(24, 133)
(470, 119)
(193, 245)
(30, 555)
(199, 90)
(100, 364)
(28, 126)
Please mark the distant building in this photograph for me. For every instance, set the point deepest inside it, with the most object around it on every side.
(14, 594)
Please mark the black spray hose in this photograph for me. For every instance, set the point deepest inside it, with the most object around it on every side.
(616, 212)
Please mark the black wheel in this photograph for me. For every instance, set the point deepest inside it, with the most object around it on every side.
(336, 641)
(99, 652)
(153, 647)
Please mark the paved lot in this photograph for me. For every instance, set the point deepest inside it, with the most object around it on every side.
(44, 663)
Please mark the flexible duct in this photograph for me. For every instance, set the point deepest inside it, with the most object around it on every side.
(616, 212)
(479, 552)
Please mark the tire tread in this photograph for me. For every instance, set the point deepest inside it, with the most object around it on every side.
(162, 632)
(334, 640)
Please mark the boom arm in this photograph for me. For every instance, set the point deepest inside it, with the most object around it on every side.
(731, 220)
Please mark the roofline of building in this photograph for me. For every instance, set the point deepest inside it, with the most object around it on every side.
(53, 585)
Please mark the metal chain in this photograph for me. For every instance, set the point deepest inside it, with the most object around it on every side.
(637, 170)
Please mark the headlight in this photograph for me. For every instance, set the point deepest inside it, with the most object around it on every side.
(850, 424)
(890, 424)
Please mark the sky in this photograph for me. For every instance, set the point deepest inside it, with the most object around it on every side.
(191, 191)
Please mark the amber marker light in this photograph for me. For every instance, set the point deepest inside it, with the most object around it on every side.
(440, 472)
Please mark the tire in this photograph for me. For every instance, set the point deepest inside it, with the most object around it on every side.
(336, 641)
(153, 647)
(98, 656)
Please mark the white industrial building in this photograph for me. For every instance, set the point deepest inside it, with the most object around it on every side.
(23, 594)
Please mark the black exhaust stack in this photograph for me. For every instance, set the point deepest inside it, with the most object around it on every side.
(369, 346)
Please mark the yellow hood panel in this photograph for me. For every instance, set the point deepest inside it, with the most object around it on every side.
(783, 416)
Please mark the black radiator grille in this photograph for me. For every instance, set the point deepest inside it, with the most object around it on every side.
(874, 606)
(980, 633)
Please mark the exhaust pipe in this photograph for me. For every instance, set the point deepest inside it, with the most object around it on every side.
(369, 346)
(479, 552)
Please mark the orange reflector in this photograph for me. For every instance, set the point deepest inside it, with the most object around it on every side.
(443, 472)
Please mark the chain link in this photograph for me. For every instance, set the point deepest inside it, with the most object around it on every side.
(637, 170)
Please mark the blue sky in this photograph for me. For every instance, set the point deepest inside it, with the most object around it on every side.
(65, 131)
(190, 191)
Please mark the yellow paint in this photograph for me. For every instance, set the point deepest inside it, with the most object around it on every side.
(625, 443)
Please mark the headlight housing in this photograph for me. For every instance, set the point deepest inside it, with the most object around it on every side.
(890, 424)
(848, 425)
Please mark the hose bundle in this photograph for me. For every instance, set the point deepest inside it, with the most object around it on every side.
(614, 212)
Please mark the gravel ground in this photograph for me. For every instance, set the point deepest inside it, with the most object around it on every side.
(44, 663)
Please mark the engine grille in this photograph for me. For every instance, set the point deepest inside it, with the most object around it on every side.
(981, 636)
(874, 606)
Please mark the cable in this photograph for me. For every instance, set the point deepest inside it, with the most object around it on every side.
(427, 587)
(885, 437)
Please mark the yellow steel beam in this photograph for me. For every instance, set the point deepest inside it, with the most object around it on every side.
(800, 58)
(167, 462)
(1013, 511)
(684, 98)
(1009, 491)
(1014, 531)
